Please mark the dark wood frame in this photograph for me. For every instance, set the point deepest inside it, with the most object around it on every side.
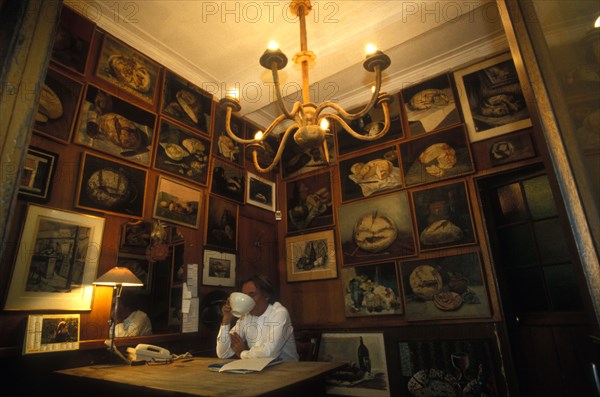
(132, 205)
(221, 223)
(220, 137)
(69, 92)
(178, 202)
(72, 46)
(37, 175)
(258, 188)
(297, 207)
(228, 181)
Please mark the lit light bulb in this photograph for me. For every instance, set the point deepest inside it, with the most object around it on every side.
(372, 89)
(370, 49)
(325, 124)
(258, 136)
(597, 23)
(273, 45)
(233, 93)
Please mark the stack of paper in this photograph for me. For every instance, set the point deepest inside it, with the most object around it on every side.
(245, 366)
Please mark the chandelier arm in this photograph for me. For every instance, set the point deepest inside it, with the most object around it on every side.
(272, 126)
(349, 130)
(279, 153)
(231, 133)
(365, 110)
(280, 102)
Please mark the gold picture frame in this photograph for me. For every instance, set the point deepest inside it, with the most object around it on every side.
(311, 256)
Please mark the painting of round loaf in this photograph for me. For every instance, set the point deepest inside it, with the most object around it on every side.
(376, 229)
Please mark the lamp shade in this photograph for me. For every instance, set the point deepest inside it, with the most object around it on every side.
(119, 276)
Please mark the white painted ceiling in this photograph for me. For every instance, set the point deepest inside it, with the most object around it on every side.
(217, 44)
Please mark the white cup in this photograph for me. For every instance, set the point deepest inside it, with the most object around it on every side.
(240, 304)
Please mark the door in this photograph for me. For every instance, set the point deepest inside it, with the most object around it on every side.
(540, 287)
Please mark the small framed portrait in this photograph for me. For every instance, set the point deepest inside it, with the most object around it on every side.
(228, 181)
(111, 186)
(371, 173)
(48, 333)
(503, 149)
(59, 101)
(116, 127)
(370, 124)
(443, 216)
(56, 262)
(430, 105)
(261, 192)
(223, 146)
(135, 235)
(218, 268)
(177, 202)
(128, 70)
(221, 223)
(37, 175)
(491, 98)
(436, 156)
(139, 265)
(182, 153)
(371, 290)
(366, 373)
(376, 229)
(309, 202)
(73, 40)
(311, 256)
(186, 103)
(448, 287)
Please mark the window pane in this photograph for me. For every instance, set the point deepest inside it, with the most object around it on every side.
(511, 203)
(551, 241)
(527, 292)
(539, 197)
(517, 246)
(562, 288)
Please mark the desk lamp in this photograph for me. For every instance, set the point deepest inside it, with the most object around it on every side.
(117, 277)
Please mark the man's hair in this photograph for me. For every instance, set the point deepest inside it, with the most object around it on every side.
(264, 286)
(130, 299)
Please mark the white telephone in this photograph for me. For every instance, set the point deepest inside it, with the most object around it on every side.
(145, 352)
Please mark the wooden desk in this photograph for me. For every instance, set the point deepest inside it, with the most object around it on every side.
(195, 379)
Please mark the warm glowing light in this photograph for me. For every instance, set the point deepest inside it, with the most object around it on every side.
(258, 135)
(325, 124)
(233, 93)
(372, 88)
(370, 49)
(597, 23)
(273, 45)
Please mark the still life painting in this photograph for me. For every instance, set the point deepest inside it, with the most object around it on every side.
(309, 202)
(371, 290)
(311, 256)
(366, 371)
(444, 287)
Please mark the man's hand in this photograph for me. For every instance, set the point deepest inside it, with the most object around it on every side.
(237, 344)
(227, 315)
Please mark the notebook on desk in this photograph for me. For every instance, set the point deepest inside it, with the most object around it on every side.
(245, 366)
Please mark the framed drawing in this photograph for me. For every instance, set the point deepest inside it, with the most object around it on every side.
(186, 103)
(177, 202)
(430, 105)
(437, 156)
(51, 333)
(228, 181)
(59, 100)
(139, 265)
(56, 261)
(182, 153)
(295, 161)
(112, 187)
(135, 235)
(73, 38)
(370, 124)
(491, 98)
(218, 268)
(449, 287)
(366, 373)
(446, 367)
(261, 192)
(37, 175)
(309, 202)
(503, 150)
(376, 229)
(221, 223)
(371, 173)
(223, 146)
(371, 290)
(114, 126)
(128, 70)
(443, 216)
(311, 256)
